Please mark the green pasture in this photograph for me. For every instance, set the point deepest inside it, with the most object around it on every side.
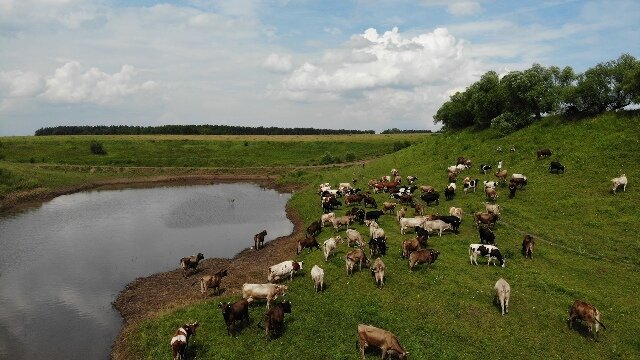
(587, 247)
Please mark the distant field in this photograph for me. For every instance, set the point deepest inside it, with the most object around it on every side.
(587, 248)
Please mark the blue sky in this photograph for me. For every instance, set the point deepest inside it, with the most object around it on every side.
(324, 64)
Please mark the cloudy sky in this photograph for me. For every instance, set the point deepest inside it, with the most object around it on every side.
(368, 64)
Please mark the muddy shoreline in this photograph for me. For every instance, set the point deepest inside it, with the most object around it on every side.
(161, 292)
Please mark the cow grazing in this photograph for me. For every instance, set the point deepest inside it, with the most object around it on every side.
(378, 246)
(212, 281)
(341, 221)
(484, 168)
(431, 197)
(556, 167)
(492, 208)
(353, 257)
(353, 199)
(485, 218)
(503, 292)
(327, 218)
(190, 262)
(620, 181)
(329, 245)
(269, 292)
(543, 153)
(486, 235)
(452, 220)
(439, 225)
(527, 246)
(388, 207)
(427, 188)
(409, 223)
(490, 184)
(470, 184)
(456, 211)
(491, 193)
(274, 319)
(317, 275)
(354, 238)
(501, 175)
(283, 269)
(238, 311)
(308, 242)
(373, 215)
(314, 229)
(385, 340)
(369, 200)
(411, 245)
(180, 340)
(258, 239)
(426, 256)
(588, 313)
(450, 191)
(490, 251)
(452, 177)
(377, 271)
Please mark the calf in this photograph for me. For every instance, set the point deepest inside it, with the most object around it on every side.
(484, 168)
(180, 340)
(377, 271)
(418, 209)
(486, 235)
(490, 251)
(317, 275)
(503, 292)
(314, 229)
(426, 256)
(501, 175)
(329, 245)
(452, 220)
(212, 281)
(274, 319)
(527, 246)
(258, 239)
(618, 182)
(431, 197)
(388, 207)
(278, 271)
(519, 180)
(378, 246)
(354, 257)
(263, 291)
(354, 238)
(543, 153)
(401, 213)
(385, 340)
(411, 179)
(190, 262)
(556, 167)
(238, 311)
(491, 193)
(588, 313)
(308, 242)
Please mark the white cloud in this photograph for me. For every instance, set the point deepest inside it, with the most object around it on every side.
(464, 8)
(333, 31)
(71, 83)
(277, 63)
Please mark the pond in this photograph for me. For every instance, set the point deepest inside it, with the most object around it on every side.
(62, 264)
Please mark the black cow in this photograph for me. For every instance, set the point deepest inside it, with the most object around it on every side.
(486, 235)
(431, 197)
(512, 189)
(358, 214)
(373, 215)
(378, 246)
(556, 167)
(450, 219)
(449, 193)
(370, 201)
(314, 229)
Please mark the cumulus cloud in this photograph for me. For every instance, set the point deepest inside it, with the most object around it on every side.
(16, 86)
(277, 63)
(71, 83)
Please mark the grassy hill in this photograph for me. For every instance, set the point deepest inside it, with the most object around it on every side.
(587, 248)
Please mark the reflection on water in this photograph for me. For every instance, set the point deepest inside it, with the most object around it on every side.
(62, 265)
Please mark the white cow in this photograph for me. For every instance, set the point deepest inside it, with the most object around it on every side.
(317, 275)
(503, 292)
(406, 223)
(329, 245)
(327, 218)
(354, 237)
(439, 225)
(375, 231)
(619, 181)
(263, 291)
(278, 271)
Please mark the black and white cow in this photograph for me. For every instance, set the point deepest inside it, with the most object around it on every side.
(490, 251)
(484, 168)
(471, 184)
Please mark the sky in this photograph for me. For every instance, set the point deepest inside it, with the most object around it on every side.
(366, 65)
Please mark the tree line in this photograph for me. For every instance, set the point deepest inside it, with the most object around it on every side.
(519, 98)
(189, 130)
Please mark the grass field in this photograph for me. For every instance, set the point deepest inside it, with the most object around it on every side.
(587, 248)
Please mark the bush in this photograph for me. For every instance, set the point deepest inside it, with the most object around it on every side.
(96, 148)
(399, 145)
(327, 158)
(350, 157)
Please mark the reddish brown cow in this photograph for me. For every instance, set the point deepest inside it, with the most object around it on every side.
(587, 313)
(308, 242)
(502, 175)
(485, 218)
(180, 340)
(543, 153)
(274, 319)
(238, 311)
(190, 262)
(258, 239)
(385, 340)
(426, 256)
(527, 246)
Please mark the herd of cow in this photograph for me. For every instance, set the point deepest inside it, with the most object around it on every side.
(414, 250)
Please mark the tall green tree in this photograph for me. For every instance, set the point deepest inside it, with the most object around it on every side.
(455, 114)
(486, 99)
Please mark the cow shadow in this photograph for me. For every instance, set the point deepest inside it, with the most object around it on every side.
(194, 349)
(194, 272)
(582, 328)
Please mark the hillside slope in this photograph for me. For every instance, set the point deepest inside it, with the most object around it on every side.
(587, 248)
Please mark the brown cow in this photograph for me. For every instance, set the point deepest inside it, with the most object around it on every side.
(308, 242)
(427, 188)
(527, 246)
(587, 313)
(190, 262)
(211, 281)
(491, 193)
(258, 239)
(388, 207)
(427, 256)
(485, 218)
(385, 340)
(355, 256)
(543, 153)
(238, 311)
(377, 270)
(274, 319)
(180, 340)
(411, 245)
(502, 175)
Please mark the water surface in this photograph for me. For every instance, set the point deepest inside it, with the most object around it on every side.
(62, 264)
